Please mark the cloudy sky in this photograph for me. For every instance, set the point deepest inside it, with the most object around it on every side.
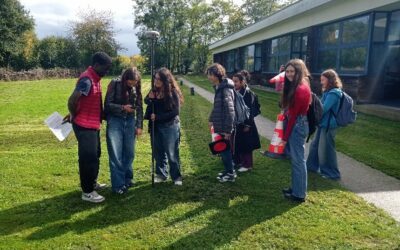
(53, 16)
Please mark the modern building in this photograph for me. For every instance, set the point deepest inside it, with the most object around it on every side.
(360, 39)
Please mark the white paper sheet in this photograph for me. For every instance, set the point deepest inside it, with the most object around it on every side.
(54, 122)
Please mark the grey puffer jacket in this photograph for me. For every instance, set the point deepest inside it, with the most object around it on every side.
(223, 113)
(114, 101)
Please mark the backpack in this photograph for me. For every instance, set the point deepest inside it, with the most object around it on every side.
(346, 114)
(242, 112)
(314, 114)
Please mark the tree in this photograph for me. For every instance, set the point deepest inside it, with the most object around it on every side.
(14, 22)
(94, 32)
(26, 58)
(256, 10)
(55, 51)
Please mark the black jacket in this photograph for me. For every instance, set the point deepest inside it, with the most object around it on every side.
(114, 102)
(246, 142)
(223, 113)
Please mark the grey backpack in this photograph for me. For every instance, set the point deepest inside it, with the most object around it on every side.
(346, 114)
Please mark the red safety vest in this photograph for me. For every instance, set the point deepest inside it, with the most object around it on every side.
(90, 107)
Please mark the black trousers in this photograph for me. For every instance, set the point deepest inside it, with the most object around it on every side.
(89, 156)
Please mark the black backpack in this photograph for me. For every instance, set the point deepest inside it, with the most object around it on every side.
(314, 114)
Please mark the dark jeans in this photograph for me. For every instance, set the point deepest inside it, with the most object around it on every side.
(89, 156)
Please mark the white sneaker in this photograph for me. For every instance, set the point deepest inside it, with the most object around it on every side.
(243, 169)
(92, 197)
(178, 182)
(158, 179)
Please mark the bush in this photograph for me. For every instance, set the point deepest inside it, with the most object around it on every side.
(37, 74)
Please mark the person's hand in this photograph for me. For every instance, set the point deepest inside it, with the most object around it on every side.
(283, 143)
(227, 136)
(138, 131)
(128, 108)
(153, 117)
(67, 118)
(246, 129)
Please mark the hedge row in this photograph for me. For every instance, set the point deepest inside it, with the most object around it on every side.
(37, 74)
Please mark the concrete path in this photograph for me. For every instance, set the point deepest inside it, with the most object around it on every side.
(372, 185)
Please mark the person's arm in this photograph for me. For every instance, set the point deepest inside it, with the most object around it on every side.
(300, 107)
(82, 88)
(139, 112)
(229, 110)
(330, 100)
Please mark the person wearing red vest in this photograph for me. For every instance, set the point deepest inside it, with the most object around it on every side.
(86, 111)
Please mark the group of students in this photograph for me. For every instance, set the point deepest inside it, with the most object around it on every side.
(124, 114)
(295, 102)
(123, 111)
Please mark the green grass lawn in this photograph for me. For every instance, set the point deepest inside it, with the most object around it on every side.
(40, 205)
(372, 140)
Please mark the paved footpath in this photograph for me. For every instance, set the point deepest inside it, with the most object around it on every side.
(372, 185)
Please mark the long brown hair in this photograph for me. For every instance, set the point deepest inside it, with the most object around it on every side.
(333, 79)
(301, 75)
(132, 74)
(169, 86)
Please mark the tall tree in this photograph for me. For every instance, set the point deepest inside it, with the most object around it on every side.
(14, 22)
(186, 28)
(256, 10)
(55, 51)
(94, 31)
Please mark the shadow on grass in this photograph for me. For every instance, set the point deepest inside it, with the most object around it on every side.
(253, 199)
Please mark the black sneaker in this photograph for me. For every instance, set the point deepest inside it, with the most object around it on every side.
(121, 191)
(129, 185)
(287, 193)
(227, 177)
(220, 174)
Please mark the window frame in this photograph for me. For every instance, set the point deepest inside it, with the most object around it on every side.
(342, 46)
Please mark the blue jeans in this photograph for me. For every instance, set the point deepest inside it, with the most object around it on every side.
(322, 157)
(226, 157)
(297, 141)
(121, 147)
(166, 147)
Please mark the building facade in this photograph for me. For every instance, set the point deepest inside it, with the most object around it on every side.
(360, 39)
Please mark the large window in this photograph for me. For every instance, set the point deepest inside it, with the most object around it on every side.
(299, 46)
(394, 28)
(257, 58)
(344, 46)
(278, 53)
(230, 61)
(380, 27)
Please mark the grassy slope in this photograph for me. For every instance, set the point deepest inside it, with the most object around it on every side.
(372, 140)
(40, 204)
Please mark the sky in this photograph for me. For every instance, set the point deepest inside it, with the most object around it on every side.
(53, 16)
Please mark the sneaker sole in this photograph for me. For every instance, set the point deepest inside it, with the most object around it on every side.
(93, 201)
